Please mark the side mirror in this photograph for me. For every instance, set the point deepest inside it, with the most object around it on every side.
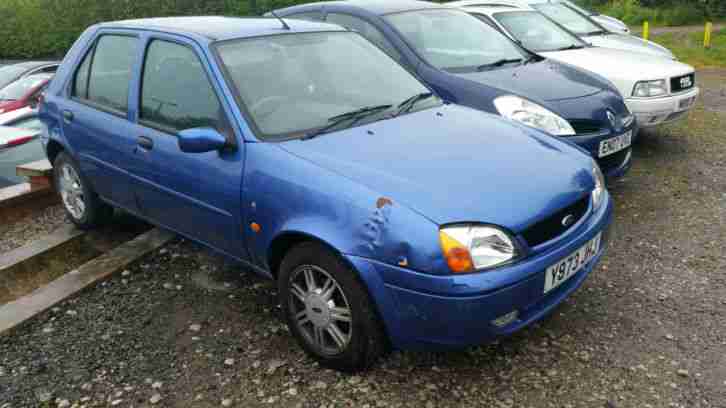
(201, 140)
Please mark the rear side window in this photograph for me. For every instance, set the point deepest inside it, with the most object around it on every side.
(103, 77)
(176, 93)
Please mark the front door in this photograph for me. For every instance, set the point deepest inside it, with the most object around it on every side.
(195, 194)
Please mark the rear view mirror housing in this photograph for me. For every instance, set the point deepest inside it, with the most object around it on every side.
(201, 140)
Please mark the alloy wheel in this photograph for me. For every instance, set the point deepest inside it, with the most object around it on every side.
(71, 191)
(320, 309)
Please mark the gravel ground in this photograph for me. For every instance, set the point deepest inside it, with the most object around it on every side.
(26, 229)
(182, 328)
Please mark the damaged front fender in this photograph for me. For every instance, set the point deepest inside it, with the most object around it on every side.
(284, 196)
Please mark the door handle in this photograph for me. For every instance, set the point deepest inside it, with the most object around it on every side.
(67, 116)
(145, 142)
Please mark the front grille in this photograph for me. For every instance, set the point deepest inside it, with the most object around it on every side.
(683, 83)
(551, 227)
(613, 161)
(583, 126)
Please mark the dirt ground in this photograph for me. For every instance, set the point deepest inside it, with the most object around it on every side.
(648, 328)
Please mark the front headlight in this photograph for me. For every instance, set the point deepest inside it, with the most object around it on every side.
(598, 194)
(649, 89)
(470, 247)
(533, 115)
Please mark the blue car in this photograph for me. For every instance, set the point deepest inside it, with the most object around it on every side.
(387, 217)
(470, 63)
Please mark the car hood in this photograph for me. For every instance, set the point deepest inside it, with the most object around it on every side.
(546, 81)
(630, 67)
(455, 164)
(629, 43)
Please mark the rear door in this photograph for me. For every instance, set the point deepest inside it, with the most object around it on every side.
(95, 116)
(196, 194)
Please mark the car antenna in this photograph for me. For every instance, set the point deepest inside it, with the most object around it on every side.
(284, 24)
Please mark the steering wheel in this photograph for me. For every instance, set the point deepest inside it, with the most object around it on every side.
(268, 102)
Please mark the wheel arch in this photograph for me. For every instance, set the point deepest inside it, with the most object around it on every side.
(53, 149)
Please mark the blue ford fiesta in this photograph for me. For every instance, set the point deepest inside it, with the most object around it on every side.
(386, 216)
(471, 63)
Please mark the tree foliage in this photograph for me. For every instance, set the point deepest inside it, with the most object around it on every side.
(47, 28)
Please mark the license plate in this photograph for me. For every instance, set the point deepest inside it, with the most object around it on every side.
(616, 144)
(560, 272)
(686, 103)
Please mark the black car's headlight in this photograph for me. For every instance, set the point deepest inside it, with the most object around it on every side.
(531, 114)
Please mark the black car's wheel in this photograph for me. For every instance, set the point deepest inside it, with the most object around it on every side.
(81, 203)
(328, 309)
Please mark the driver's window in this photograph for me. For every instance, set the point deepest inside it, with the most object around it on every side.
(176, 93)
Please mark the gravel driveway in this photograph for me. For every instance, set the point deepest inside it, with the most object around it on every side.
(182, 328)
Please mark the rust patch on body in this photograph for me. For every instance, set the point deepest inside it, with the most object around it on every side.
(383, 201)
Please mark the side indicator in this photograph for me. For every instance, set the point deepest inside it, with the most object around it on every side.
(255, 227)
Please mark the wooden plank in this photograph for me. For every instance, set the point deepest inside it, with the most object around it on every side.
(15, 313)
(40, 168)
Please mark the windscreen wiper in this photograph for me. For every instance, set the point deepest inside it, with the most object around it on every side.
(355, 116)
(409, 103)
(571, 47)
(499, 63)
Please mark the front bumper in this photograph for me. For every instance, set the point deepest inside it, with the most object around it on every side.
(429, 312)
(659, 111)
(613, 166)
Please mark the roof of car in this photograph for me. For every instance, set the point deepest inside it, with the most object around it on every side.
(221, 28)
(495, 3)
(378, 7)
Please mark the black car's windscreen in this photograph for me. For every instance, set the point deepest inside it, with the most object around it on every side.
(569, 18)
(9, 73)
(19, 89)
(453, 39)
(536, 32)
(294, 83)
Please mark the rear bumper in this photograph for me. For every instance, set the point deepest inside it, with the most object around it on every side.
(427, 312)
(659, 111)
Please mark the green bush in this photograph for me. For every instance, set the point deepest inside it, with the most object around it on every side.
(47, 28)
(660, 12)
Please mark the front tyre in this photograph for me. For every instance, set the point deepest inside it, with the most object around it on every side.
(82, 205)
(328, 309)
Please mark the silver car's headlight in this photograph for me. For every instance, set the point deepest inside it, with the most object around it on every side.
(533, 115)
(649, 89)
(468, 247)
(598, 194)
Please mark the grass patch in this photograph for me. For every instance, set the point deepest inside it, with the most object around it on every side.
(688, 47)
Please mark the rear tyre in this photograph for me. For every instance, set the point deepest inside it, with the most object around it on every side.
(328, 309)
(82, 205)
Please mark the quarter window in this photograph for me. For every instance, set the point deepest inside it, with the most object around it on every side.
(104, 75)
(366, 29)
(176, 93)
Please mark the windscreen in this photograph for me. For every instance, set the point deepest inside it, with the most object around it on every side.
(454, 40)
(537, 32)
(569, 18)
(9, 74)
(21, 88)
(292, 84)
